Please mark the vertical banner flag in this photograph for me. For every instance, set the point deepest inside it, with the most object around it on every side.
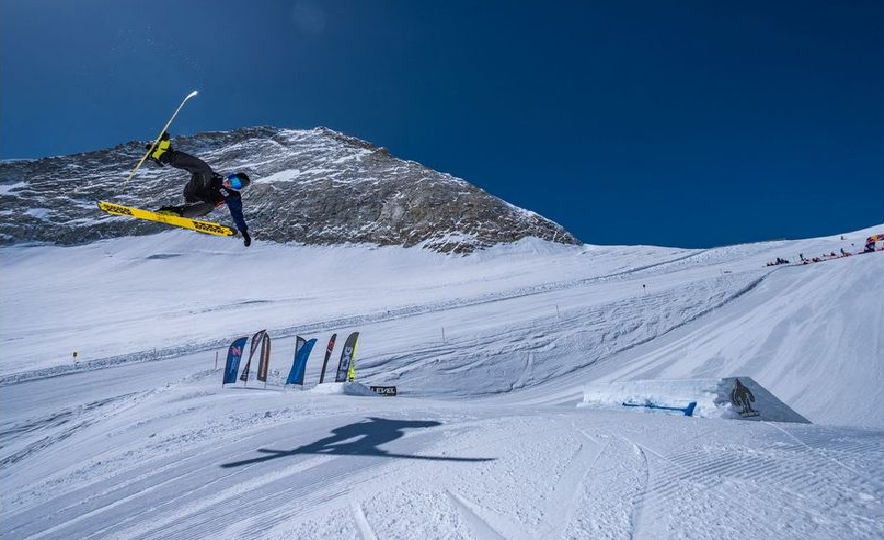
(328, 351)
(264, 364)
(299, 366)
(351, 374)
(256, 339)
(233, 356)
(347, 356)
(299, 344)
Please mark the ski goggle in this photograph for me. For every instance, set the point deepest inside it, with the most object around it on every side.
(235, 182)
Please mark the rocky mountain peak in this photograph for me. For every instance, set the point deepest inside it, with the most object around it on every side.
(315, 186)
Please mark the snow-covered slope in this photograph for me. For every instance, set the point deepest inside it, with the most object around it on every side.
(512, 317)
(490, 354)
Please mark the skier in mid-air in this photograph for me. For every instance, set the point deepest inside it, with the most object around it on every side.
(206, 189)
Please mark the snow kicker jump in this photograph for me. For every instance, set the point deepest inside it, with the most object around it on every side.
(732, 398)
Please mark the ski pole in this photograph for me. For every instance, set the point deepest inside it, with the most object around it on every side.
(169, 123)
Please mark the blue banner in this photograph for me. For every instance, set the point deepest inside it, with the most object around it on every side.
(299, 366)
(234, 354)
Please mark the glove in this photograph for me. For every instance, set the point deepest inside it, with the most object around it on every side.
(246, 239)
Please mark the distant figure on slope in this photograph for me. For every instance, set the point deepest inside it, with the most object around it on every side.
(742, 397)
(206, 189)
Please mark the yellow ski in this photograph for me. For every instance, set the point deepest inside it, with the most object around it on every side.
(207, 227)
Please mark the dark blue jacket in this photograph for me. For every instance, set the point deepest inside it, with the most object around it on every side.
(205, 186)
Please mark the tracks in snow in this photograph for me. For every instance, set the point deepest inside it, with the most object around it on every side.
(333, 324)
(61, 425)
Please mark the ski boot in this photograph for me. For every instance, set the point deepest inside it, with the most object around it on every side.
(169, 211)
(159, 151)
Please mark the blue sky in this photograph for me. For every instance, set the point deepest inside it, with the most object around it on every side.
(687, 123)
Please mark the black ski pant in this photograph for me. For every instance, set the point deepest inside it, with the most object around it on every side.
(194, 191)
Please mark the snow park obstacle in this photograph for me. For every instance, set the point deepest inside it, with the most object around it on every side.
(731, 398)
(342, 388)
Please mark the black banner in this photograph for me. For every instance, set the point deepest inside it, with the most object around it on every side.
(264, 364)
(256, 340)
(328, 351)
(347, 357)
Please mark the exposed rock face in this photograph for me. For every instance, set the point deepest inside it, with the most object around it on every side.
(312, 186)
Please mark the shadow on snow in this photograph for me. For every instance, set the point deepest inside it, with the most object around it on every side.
(358, 439)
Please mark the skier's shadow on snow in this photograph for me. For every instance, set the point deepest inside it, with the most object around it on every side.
(359, 439)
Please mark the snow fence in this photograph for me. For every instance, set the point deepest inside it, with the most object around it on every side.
(732, 398)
